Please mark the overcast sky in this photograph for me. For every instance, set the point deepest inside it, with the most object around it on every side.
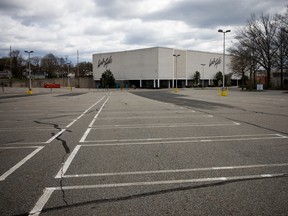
(62, 27)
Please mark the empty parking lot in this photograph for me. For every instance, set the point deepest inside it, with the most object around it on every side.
(144, 152)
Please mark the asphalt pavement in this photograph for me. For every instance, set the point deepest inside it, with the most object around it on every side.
(143, 152)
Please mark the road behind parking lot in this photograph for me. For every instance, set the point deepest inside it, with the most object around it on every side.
(143, 152)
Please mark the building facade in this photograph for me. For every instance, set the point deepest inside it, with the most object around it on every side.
(160, 67)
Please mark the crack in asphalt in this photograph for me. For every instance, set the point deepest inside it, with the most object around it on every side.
(67, 152)
(154, 193)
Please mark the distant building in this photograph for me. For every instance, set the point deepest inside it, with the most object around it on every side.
(276, 78)
(157, 67)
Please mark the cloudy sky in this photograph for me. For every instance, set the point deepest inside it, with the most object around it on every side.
(62, 27)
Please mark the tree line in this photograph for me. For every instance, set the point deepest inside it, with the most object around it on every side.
(49, 65)
(261, 45)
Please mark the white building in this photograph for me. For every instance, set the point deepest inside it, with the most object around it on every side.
(158, 67)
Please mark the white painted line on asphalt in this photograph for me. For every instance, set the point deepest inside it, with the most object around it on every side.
(97, 114)
(41, 202)
(23, 161)
(185, 141)
(282, 136)
(176, 170)
(48, 191)
(83, 138)
(20, 147)
(69, 125)
(155, 116)
(167, 125)
(266, 175)
(180, 181)
(67, 163)
(29, 143)
(182, 139)
(55, 136)
(75, 120)
(27, 129)
(91, 123)
(148, 110)
(93, 105)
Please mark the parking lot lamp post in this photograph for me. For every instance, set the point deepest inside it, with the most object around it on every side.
(224, 32)
(68, 77)
(176, 56)
(30, 88)
(203, 76)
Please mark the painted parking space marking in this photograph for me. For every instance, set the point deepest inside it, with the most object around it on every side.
(178, 139)
(55, 136)
(67, 163)
(41, 202)
(158, 117)
(24, 143)
(99, 111)
(20, 163)
(164, 141)
(168, 125)
(27, 129)
(83, 138)
(175, 171)
(149, 126)
(75, 120)
(47, 193)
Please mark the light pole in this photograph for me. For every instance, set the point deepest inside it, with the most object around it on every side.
(30, 89)
(176, 56)
(203, 76)
(68, 78)
(224, 32)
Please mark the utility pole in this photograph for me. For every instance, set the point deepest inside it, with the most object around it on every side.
(30, 88)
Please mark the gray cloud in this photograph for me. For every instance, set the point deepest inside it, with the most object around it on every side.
(91, 26)
(211, 13)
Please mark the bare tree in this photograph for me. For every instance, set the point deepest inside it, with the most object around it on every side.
(17, 63)
(240, 61)
(49, 64)
(35, 62)
(281, 59)
(258, 37)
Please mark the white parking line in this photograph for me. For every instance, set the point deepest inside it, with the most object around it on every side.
(49, 190)
(176, 170)
(158, 117)
(167, 125)
(97, 114)
(19, 164)
(187, 141)
(67, 163)
(178, 181)
(23, 143)
(27, 129)
(75, 120)
(55, 136)
(41, 202)
(83, 138)
(164, 141)
(180, 139)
